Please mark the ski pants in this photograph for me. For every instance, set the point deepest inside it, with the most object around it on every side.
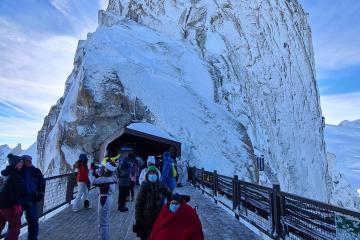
(14, 220)
(104, 218)
(81, 195)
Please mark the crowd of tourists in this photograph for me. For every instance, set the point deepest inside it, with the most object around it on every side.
(160, 213)
(22, 190)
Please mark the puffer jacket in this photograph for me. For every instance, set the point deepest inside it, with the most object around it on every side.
(14, 190)
(149, 202)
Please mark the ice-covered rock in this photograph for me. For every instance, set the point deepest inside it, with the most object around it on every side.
(223, 77)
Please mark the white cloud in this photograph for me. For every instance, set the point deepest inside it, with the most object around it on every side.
(33, 71)
(337, 108)
(336, 32)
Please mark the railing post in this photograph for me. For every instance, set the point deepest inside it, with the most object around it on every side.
(235, 194)
(215, 187)
(276, 211)
(70, 188)
(193, 177)
(202, 177)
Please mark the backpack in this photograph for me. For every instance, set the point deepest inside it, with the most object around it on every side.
(3, 180)
(173, 170)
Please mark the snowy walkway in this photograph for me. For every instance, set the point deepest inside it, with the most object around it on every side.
(217, 224)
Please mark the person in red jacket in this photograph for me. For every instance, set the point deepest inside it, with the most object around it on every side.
(177, 221)
(82, 179)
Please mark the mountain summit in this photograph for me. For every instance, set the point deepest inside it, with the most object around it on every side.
(228, 79)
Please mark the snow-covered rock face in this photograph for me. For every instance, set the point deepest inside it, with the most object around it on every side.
(226, 78)
(260, 58)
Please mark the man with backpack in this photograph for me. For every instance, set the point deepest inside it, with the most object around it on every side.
(169, 172)
(35, 190)
(11, 197)
(123, 173)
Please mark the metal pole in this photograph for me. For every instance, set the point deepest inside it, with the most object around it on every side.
(202, 177)
(275, 211)
(193, 177)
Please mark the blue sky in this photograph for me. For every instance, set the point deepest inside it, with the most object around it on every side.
(38, 39)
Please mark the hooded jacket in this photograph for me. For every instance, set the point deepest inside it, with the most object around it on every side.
(14, 190)
(167, 178)
(184, 224)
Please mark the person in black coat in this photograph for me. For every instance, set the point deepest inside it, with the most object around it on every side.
(11, 197)
(35, 190)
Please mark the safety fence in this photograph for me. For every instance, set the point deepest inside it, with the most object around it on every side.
(277, 214)
(59, 191)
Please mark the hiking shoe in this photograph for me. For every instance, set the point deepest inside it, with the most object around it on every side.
(123, 209)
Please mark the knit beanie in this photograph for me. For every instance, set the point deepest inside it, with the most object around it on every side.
(177, 197)
(152, 169)
(26, 157)
(13, 160)
(83, 157)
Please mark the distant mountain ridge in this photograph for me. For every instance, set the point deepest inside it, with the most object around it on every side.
(343, 141)
(6, 149)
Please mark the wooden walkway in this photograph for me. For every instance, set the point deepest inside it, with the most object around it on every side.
(216, 223)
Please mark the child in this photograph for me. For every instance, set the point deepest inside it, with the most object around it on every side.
(105, 180)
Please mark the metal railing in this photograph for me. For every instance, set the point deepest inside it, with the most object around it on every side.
(59, 191)
(277, 214)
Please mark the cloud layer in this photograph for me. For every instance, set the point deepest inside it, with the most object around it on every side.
(38, 40)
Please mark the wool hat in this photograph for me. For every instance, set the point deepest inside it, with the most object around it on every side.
(110, 166)
(13, 160)
(177, 197)
(83, 157)
(152, 169)
(151, 159)
(26, 158)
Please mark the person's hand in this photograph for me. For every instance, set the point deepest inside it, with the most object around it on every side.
(17, 209)
(39, 196)
(137, 228)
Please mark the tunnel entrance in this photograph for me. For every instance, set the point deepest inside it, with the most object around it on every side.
(144, 139)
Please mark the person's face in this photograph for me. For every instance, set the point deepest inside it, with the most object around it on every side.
(28, 162)
(19, 165)
(174, 206)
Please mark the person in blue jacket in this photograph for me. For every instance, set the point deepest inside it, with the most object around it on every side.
(35, 190)
(167, 176)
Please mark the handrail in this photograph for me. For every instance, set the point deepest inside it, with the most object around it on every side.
(325, 205)
(277, 214)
